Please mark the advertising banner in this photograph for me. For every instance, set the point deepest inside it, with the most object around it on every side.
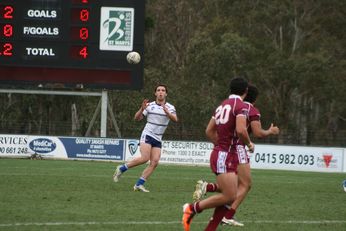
(186, 152)
(175, 152)
(21, 145)
(64, 147)
(13, 145)
(131, 149)
(317, 159)
(46, 146)
(94, 148)
(344, 166)
(280, 157)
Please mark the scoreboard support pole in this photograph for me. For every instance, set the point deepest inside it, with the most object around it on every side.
(104, 104)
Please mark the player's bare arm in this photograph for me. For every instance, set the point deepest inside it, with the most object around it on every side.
(171, 116)
(242, 132)
(139, 113)
(258, 132)
(211, 131)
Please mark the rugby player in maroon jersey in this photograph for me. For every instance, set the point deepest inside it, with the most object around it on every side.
(244, 172)
(225, 129)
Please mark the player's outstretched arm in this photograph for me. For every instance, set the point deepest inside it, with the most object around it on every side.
(256, 128)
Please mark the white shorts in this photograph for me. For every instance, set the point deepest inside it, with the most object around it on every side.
(243, 156)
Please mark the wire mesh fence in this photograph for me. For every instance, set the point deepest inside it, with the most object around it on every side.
(173, 132)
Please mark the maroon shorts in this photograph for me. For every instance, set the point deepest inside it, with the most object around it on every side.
(223, 162)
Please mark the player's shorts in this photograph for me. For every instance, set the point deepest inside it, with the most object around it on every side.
(223, 161)
(150, 140)
(243, 155)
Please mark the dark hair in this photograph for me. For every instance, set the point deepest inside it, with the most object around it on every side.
(238, 86)
(161, 85)
(252, 93)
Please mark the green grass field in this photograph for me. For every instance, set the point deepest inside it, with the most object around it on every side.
(80, 195)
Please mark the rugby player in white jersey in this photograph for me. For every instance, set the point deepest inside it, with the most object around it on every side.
(158, 113)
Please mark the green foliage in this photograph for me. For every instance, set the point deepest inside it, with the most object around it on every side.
(214, 56)
(292, 50)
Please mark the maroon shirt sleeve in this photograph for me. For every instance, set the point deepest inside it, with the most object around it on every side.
(254, 114)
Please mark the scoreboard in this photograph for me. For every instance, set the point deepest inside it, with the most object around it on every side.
(71, 42)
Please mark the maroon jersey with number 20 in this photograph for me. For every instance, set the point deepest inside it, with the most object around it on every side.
(224, 157)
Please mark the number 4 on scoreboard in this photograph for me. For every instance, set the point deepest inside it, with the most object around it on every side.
(79, 52)
(83, 52)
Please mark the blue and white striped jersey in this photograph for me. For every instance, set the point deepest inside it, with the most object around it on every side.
(157, 120)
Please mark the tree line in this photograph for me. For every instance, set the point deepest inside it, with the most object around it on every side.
(293, 51)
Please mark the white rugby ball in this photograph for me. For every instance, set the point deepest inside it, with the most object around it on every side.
(133, 57)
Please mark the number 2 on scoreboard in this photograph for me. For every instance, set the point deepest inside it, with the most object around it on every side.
(6, 49)
(8, 12)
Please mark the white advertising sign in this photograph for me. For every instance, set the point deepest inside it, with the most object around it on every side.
(21, 145)
(176, 152)
(62, 147)
(131, 149)
(186, 152)
(299, 158)
(14, 145)
(344, 166)
(316, 159)
(278, 157)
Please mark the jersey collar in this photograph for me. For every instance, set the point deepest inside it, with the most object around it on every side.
(159, 104)
(233, 96)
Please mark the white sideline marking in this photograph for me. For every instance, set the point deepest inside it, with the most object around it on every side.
(300, 222)
(160, 223)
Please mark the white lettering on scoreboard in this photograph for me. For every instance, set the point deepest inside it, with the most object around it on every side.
(42, 13)
(42, 31)
(36, 51)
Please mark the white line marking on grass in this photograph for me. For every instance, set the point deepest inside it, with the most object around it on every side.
(90, 223)
(300, 222)
(160, 223)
